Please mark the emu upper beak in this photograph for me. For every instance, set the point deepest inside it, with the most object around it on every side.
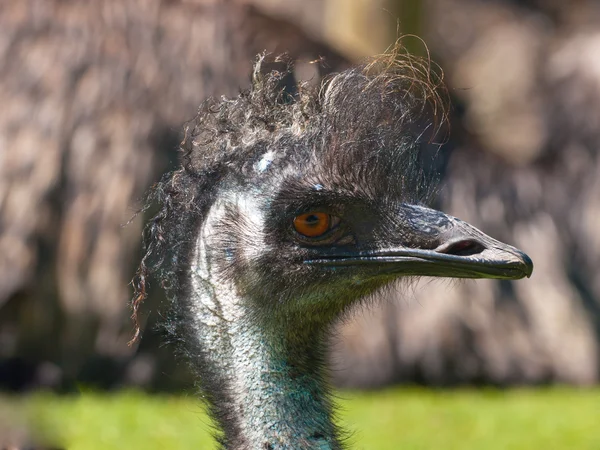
(439, 245)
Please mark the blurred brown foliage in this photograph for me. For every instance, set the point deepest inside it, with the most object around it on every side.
(94, 94)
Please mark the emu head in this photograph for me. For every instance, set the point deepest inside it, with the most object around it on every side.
(306, 202)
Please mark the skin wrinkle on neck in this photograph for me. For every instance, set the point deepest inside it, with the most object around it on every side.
(276, 405)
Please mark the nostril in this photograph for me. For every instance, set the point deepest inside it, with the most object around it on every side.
(464, 248)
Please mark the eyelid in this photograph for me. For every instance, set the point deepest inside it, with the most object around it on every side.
(335, 221)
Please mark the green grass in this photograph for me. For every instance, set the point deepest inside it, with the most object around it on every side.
(557, 418)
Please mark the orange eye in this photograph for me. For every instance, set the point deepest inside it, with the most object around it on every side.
(313, 224)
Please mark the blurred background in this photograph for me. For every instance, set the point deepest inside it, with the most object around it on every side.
(93, 96)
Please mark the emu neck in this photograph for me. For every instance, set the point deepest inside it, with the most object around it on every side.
(265, 385)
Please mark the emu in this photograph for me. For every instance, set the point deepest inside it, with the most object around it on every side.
(287, 210)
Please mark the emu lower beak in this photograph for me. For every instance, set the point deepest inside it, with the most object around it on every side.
(439, 245)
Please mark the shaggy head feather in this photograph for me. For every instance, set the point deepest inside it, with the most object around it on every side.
(360, 129)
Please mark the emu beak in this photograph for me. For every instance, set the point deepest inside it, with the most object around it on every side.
(439, 245)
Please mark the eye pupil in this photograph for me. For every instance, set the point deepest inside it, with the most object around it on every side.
(312, 220)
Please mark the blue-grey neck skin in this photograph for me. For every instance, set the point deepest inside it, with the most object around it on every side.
(271, 392)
